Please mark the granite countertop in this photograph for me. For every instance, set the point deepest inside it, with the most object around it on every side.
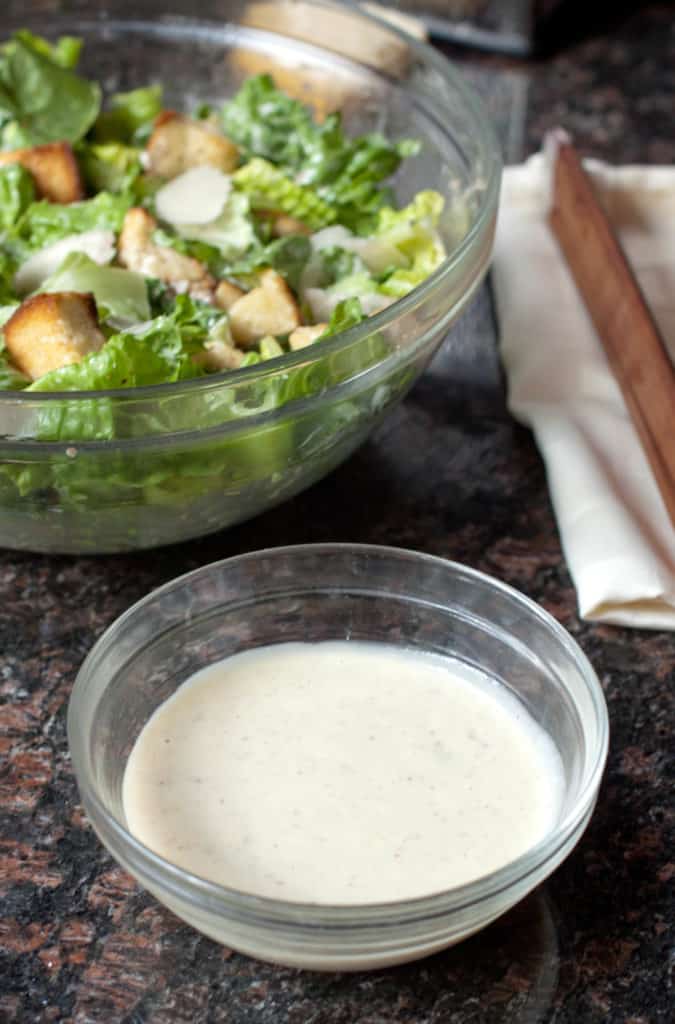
(449, 473)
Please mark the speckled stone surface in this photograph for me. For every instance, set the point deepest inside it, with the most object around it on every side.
(448, 473)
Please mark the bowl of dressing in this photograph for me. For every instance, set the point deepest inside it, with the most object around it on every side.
(336, 756)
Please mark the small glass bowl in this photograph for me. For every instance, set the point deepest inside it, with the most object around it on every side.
(322, 592)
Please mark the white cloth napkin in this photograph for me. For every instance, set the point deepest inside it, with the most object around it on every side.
(618, 540)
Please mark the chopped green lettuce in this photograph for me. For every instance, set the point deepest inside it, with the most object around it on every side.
(17, 192)
(109, 166)
(65, 51)
(336, 264)
(269, 188)
(11, 379)
(345, 173)
(345, 315)
(288, 256)
(130, 117)
(413, 231)
(355, 286)
(7, 268)
(121, 295)
(41, 98)
(43, 223)
(156, 352)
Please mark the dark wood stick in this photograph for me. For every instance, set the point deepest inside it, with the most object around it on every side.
(622, 318)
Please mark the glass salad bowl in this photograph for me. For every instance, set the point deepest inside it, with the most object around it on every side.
(106, 471)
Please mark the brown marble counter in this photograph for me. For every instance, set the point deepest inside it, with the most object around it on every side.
(448, 473)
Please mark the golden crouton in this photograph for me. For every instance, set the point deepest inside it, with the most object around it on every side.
(52, 330)
(218, 355)
(179, 142)
(267, 309)
(304, 336)
(137, 251)
(54, 170)
(227, 294)
(284, 225)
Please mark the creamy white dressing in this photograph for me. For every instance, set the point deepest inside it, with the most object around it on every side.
(341, 773)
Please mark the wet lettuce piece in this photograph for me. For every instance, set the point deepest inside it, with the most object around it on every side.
(130, 116)
(336, 264)
(346, 314)
(120, 294)
(270, 188)
(288, 256)
(17, 192)
(414, 232)
(65, 51)
(158, 355)
(109, 166)
(343, 172)
(43, 223)
(42, 99)
(126, 360)
(7, 268)
(11, 379)
(157, 352)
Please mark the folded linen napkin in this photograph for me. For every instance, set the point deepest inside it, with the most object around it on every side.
(616, 534)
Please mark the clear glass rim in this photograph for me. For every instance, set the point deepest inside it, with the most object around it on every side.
(216, 898)
(490, 149)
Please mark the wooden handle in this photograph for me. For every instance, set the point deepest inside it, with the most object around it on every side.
(622, 318)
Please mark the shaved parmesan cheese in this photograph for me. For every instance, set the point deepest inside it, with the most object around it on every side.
(322, 302)
(377, 253)
(98, 245)
(197, 196)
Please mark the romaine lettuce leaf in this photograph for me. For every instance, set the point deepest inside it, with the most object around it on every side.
(65, 51)
(345, 315)
(17, 192)
(120, 294)
(157, 352)
(109, 166)
(413, 231)
(11, 379)
(7, 268)
(44, 222)
(231, 233)
(41, 99)
(130, 117)
(269, 188)
(337, 264)
(355, 190)
(126, 360)
(288, 256)
(344, 172)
